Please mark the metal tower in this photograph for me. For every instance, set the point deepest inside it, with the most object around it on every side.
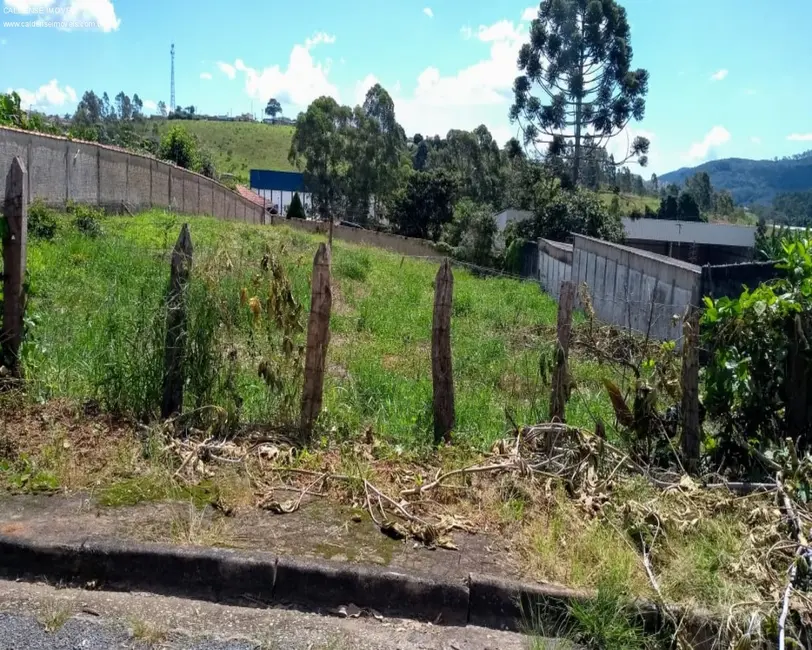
(172, 79)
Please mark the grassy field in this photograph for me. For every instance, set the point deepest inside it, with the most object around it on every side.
(238, 147)
(97, 332)
(95, 338)
(629, 202)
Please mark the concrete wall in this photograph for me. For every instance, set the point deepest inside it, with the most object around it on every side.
(636, 289)
(510, 215)
(699, 254)
(405, 245)
(729, 279)
(61, 170)
(555, 265)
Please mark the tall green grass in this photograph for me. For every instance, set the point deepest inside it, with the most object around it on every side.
(99, 323)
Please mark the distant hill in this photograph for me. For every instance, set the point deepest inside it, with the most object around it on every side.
(238, 147)
(752, 181)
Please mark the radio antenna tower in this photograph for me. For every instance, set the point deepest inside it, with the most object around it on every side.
(172, 79)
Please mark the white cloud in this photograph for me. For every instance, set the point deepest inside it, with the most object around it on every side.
(480, 93)
(227, 69)
(466, 32)
(719, 75)
(530, 13)
(299, 84)
(3, 41)
(717, 136)
(150, 105)
(755, 139)
(501, 31)
(428, 12)
(205, 75)
(45, 97)
(800, 137)
(319, 37)
(94, 14)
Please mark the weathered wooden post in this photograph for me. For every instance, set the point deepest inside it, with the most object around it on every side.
(691, 434)
(441, 370)
(561, 376)
(318, 338)
(15, 236)
(175, 350)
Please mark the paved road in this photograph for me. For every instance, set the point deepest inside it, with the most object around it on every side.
(39, 617)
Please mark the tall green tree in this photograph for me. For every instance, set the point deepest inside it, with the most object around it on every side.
(699, 187)
(273, 108)
(389, 144)
(319, 142)
(577, 89)
(424, 204)
(124, 106)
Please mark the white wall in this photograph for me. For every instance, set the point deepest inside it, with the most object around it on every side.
(506, 216)
(689, 232)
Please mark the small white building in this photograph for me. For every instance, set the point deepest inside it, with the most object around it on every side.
(509, 215)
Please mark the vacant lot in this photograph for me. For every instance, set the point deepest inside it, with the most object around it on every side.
(94, 347)
(97, 327)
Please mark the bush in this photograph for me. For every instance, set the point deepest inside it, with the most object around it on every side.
(42, 221)
(86, 218)
(579, 211)
(180, 147)
(759, 366)
(296, 209)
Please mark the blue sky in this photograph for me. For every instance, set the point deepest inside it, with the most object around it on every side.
(728, 77)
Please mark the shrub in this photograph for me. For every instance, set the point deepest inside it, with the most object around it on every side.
(42, 221)
(86, 218)
(296, 209)
(759, 364)
(180, 147)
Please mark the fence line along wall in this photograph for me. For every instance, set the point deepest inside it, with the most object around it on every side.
(555, 265)
(411, 246)
(636, 289)
(61, 170)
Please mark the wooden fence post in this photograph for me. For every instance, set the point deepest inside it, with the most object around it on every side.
(175, 350)
(561, 376)
(441, 370)
(318, 338)
(691, 434)
(15, 236)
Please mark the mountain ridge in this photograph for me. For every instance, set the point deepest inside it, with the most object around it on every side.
(752, 181)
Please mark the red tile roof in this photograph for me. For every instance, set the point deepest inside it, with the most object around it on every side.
(250, 195)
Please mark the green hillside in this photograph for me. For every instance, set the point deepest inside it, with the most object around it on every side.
(238, 147)
(629, 202)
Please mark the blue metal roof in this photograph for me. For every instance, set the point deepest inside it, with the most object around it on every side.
(268, 179)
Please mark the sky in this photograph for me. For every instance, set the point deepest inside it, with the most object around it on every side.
(728, 78)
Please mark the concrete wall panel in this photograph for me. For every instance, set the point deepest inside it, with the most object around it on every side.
(83, 173)
(160, 185)
(48, 170)
(112, 178)
(138, 183)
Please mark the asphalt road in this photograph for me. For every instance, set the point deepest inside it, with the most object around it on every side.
(39, 617)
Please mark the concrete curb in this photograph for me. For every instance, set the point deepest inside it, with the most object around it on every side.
(263, 579)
